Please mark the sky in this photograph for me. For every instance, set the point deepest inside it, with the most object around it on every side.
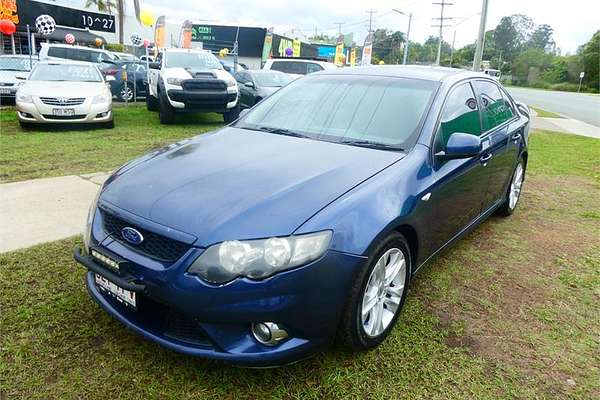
(574, 21)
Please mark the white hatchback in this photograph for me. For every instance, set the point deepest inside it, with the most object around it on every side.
(60, 92)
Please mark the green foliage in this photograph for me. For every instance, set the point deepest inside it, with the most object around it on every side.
(388, 46)
(591, 60)
(115, 47)
(528, 65)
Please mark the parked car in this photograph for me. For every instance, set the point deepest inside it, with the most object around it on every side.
(126, 56)
(494, 73)
(61, 92)
(55, 51)
(147, 58)
(185, 80)
(308, 217)
(298, 66)
(136, 84)
(10, 66)
(255, 85)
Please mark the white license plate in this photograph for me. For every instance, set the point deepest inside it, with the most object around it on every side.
(5, 91)
(63, 112)
(126, 297)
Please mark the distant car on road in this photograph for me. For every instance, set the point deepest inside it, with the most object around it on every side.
(60, 92)
(10, 66)
(298, 66)
(136, 84)
(255, 85)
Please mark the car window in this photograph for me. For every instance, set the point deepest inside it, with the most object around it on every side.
(495, 110)
(289, 67)
(59, 52)
(313, 67)
(374, 109)
(159, 58)
(459, 115)
(241, 77)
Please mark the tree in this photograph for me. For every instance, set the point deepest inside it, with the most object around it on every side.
(528, 65)
(108, 6)
(323, 38)
(387, 46)
(541, 38)
(590, 54)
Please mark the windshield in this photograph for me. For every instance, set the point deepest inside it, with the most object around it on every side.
(15, 63)
(353, 109)
(272, 79)
(192, 60)
(65, 72)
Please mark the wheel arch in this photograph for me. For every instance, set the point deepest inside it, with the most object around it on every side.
(411, 236)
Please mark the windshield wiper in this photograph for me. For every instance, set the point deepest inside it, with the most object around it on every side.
(371, 145)
(279, 131)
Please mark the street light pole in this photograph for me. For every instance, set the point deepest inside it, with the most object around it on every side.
(480, 38)
(407, 47)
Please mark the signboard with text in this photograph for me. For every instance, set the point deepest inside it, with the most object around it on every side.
(29, 10)
(217, 37)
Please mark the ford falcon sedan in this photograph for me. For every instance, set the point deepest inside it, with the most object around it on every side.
(307, 218)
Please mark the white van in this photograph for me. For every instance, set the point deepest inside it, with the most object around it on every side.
(78, 53)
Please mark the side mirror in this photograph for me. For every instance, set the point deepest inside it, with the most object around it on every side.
(523, 109)
(460, 145)
(22, 76)
(250, 85)
(154, 65)
(243, 112)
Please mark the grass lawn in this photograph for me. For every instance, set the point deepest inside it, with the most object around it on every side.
(545, 114)
(510, 312)
(51, 152)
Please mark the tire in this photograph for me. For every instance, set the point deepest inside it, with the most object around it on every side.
(354, 329)
(108, 125)
(25, 125)
(514, 189)
(126, 90)
(232, 114)
(166, 113)
(151, 101)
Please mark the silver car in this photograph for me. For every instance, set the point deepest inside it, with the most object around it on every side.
(10, 66)
(61, 92)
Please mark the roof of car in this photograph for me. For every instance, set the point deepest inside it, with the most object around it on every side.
(424, 72)
(73, 46)
(178, 50)
(65, 62)
(18, 56)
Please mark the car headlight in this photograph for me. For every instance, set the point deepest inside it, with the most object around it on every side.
(24, 98)
(175, 81)
(102, 98)
(258, 259)
(87, 232)
(231, 83)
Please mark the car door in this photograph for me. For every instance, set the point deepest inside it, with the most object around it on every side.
(459, 186)
(497, 117)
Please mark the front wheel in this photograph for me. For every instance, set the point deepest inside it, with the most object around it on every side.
(378, 294)
(514, 191)
(125, 93)
(232, 114)
(166, 113)
(151, 102)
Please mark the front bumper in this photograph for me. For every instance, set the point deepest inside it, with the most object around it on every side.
(38, 112)
(185, 314)
(202, 100)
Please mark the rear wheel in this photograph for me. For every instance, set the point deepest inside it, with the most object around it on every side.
(151, 101)
(125, 92)
(166, 113)
(232, 114)
(514, 191)
(378, 294)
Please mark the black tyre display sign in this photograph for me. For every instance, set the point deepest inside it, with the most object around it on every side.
(29, 10)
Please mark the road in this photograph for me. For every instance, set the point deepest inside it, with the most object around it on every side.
(584, 107)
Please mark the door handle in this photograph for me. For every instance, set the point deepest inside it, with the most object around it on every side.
(485, 158)
(516, 136)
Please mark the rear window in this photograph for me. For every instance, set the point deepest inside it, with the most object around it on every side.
(289, 67)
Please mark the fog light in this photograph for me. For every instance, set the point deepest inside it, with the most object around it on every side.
(102, 115)
(268, 333)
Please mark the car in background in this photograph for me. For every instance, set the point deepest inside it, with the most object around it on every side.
(494, 73)
(62, 92)
(135, 84)
(55, 51)
(307, 219)
(10, 66)
(186, 80)
(298, 66)
(147, 58)
(126, 56)
(230, 67)
(255, 85)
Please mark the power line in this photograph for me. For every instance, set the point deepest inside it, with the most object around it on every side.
(441, 25)
(339, 24)
(371, 12)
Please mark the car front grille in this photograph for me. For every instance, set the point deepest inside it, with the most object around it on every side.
(204, 84)
(6, 84)
(63, 101)
(63, 117)
(154, 245)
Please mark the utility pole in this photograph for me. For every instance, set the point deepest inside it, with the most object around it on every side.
(441, 25)
(480, 38)
(406, 47)
(371, 12)
(339, 24)
(452, 48)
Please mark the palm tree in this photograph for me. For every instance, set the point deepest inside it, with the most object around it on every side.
(107, 6)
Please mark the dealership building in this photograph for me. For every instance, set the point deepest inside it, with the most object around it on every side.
(88, 25)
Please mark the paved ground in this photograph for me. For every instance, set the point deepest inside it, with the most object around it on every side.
(583, 107)
(43, 210)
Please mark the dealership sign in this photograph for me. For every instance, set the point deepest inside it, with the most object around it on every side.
(28, 10)
(217, 37)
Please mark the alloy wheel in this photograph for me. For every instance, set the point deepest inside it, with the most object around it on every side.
(383, 292)
(126, 93)
(515, 186)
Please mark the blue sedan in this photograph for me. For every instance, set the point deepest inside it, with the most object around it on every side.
(307, 218)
